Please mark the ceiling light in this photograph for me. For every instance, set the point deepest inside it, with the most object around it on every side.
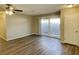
(6, 12)
(9, 12)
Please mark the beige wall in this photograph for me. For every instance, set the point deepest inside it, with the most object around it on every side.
(2, 25)
(35, 25)
(18, 26)
(71, 25)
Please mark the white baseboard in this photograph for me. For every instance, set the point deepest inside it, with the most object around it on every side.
(19, 37)
(70, 43)
(22, 36)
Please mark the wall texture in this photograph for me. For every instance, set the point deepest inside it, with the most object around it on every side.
(18, 26)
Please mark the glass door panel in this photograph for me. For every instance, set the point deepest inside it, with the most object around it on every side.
(55, 27)
(44, 26)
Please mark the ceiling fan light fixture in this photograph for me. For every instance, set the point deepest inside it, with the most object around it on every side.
(9, 12)
(6, 12)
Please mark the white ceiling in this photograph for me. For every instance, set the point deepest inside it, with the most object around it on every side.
(37, 9)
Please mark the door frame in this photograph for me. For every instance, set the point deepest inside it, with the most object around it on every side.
(61, 27)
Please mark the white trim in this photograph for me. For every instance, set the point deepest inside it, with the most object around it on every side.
(18, 37)
(70, 43)
(22, 36)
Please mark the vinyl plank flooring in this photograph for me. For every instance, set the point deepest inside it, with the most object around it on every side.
(37, 45)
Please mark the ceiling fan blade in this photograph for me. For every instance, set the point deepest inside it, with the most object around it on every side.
(8, 4)
(19, 10)
(12, 8)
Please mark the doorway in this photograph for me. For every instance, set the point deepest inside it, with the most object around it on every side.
(50, 26)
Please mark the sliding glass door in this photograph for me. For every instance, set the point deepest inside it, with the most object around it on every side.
(44, 26)
(50, 27)
(55, 27)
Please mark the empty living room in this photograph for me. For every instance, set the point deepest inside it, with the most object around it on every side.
(39, 29)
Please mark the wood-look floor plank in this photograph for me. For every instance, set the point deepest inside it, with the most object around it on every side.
(37, 45)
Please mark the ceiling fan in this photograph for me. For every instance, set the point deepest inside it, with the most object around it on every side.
(10, 9)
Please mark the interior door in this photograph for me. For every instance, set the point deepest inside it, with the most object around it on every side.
(71, 28)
